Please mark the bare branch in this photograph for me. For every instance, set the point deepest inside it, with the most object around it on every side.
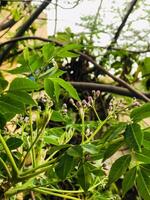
(24, 27)
(105, 88)
(7, 24)
(98, 66)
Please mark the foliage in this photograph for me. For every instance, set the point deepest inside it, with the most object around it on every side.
(56, 141)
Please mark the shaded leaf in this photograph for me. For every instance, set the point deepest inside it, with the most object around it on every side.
(49, 87)
(144, 156)
(3, 84)
(140, 113)
(134, 136)
(128, 180)
(118, 168)
(21, 96)
(64, 166)
(112, 148)
(68, 87)
(84, 176)
(143, 184)
(14, 143)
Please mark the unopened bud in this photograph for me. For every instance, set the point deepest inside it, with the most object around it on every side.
(98, 93)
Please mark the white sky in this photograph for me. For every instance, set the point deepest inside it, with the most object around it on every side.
(71, 17)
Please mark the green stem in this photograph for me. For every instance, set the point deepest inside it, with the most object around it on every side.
(14, 166)
(38, 167)
(32, 138)
(33, 174)
(93, 106)
(62, 191)
(37, 137)
(6, 168)
(96, 131)
(43, 191)
(83, 124)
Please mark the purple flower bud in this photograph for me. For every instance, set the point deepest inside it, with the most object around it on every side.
(98, 93)
(93, 92)
(90, 99)
(84, 102)
(78, 104)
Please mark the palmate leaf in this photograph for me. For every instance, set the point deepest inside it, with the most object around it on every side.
(118, 168)
(143, 183)
(134, 136)
(129, 180)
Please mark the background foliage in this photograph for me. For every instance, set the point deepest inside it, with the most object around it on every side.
(74, 116)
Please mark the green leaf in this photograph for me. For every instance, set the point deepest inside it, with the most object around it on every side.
(143, 184)
(49, 87)
(21, 96)
(145, 68)
(19, 70)
(57, 116)
(3, 84)
(134, 136)
(48, 51)
(35, 62)
(67, 86)
(90, 148)
(72, 46)
(23, 84)
(112, 148)
(75, 151)
(14, 143)
(114, 131)
(84, 177)
(140, 113)
(11, 107)
(53, 135)
(2, 121)
(56, 90)
(63, 53)
(118, 168)
(128, 180)
(144, 156)
(64, 166)
(26, 54)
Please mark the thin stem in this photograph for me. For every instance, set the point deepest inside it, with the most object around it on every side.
(83, 124)
(96, 131)
(32, 138)
(34, 173)
(6, 168)
(14, 166)
(38, 167)
(37, 137)
(43, 191)
(62, 191)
